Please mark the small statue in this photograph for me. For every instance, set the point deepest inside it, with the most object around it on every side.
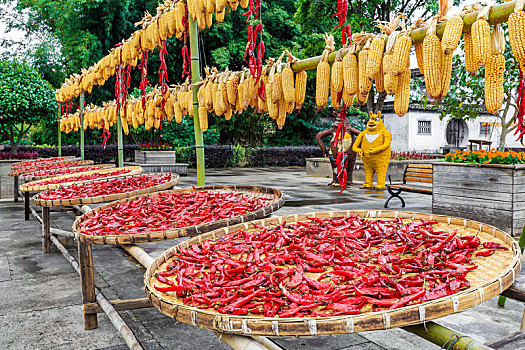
(373, 145)
(333, 150)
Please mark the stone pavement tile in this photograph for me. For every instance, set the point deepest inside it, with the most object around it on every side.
(177, 335)
(54, 329)
(326, 342)
(33, 294)
(398, 339)
(38, 265)
(147, 345)
(5, 273)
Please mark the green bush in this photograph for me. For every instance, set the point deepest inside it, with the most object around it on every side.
(239, 158)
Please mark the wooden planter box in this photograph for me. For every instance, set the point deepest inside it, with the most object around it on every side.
(155, 157)
(493, 194)
(6, 181)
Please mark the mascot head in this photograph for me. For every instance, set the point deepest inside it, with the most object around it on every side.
(375, 123)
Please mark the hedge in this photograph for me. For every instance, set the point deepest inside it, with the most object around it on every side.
(215, 156)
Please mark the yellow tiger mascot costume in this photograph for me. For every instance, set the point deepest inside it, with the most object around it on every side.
(373, 145)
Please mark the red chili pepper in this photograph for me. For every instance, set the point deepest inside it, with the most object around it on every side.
(494, 245)
(488, 252)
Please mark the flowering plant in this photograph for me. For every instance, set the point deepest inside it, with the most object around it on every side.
(155, 146)
(486, 157)
(410, 156)
(19, 155)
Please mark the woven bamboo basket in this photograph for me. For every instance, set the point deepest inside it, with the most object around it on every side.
(252, 191)
(27, 178)
(22, 171)
(65, 159)
(31, 187)
(110, 197)
(493, 275)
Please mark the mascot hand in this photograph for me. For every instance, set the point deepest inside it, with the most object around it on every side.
(366, 153)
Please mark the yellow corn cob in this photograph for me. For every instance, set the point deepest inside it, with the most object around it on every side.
(419, 56)
(322, 84)
(217, 108)
(517, 34)
(281, 118)
(203, 118)
(177, 112)
(432, 62)
(189, 101)
(219, 16)
(350, 74)
(364, 83)
(234, 4)
(201, 20)
(208, 96)
(273, 108)
(469, 55)
(210, 6)
(241, 96)
(380, 78)
(232, 87)
(228, 114)
(335, 97)
(480, 32)
(446, 75)
(375, 57)
(451, 34)
(347, 98)
(287, 84)
(220, 5)
(208, 17)
(361, 99)
(300, 88)
(336, 74)
(390, 80)
(277, 87)
(249, 87)
(402, 98)
(401, 54)
(244, 3)
(494, 72)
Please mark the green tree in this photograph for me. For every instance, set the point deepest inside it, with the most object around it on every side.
(25, 98)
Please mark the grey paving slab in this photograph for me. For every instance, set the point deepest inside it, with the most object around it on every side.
(5, 273)
(328, 342)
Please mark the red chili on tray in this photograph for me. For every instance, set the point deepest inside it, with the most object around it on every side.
(36, 162)
(167, 211)
(101, 188)
(83, 177)
(62, 171)
(321, 267)
(50, 166)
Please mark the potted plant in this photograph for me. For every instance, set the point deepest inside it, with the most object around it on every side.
(155, 153)
(487, 186)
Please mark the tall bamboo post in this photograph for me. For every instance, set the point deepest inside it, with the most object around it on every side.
(120, 141)
(59, 133)
(82, 125)
(195, 77)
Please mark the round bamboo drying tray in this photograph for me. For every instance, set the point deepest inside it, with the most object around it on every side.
(41, 177)
(110, 197)
(21, 171)
(493, 275)
(31, 187)
(65, 159)
(252, 191)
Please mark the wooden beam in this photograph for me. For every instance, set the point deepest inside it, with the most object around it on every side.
(26, 206)
(15, 188)
(515, 293)
(35, 214)
(119, 305)
(60, 232)
(87, 280)
(508, 342)
(46, 233)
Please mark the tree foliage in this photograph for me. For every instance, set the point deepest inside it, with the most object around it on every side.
(25, 98)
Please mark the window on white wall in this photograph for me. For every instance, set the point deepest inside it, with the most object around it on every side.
(485, 129)
(424, 127)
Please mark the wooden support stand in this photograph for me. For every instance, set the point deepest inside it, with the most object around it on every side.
(15, 188)
(87, 279)
(26, 206)
(46, 233)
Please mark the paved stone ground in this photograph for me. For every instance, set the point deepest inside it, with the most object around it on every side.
(40, 304)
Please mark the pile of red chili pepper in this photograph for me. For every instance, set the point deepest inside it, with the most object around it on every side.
(36, 162)
(323, 267)
(63, 171)
(48, 166)
(101, 188)
(520, 116)
(168, 211)
(83, 177)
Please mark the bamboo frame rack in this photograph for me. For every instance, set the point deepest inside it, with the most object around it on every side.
(494, 275)
(22, 171)
(27, 178)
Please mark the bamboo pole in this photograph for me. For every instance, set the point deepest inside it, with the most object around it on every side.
(195, 77)
(139, 254)
(59, 134)
(82, 125)
(238, 342)
(498, 14)
(445, 337)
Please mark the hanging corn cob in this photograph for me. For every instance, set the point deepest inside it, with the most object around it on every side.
(350, 72)
(390, 80)
(287, 81)
(517, 32)
(451, 34)
(322, 84)
(432, 60)
(494, 71)
(365, 84)
(401, 53)
(375, 56)
(480, 32)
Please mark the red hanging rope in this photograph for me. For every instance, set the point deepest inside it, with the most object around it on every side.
(342, 157)
(255, 50)
(105, 134)
(143, 76)
(521, 109)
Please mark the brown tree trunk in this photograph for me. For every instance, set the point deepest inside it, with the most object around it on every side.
(375, 106)
(506, 121)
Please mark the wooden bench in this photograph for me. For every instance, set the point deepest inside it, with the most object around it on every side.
(417, 178)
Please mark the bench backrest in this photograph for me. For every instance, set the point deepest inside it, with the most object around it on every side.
(418, 173)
